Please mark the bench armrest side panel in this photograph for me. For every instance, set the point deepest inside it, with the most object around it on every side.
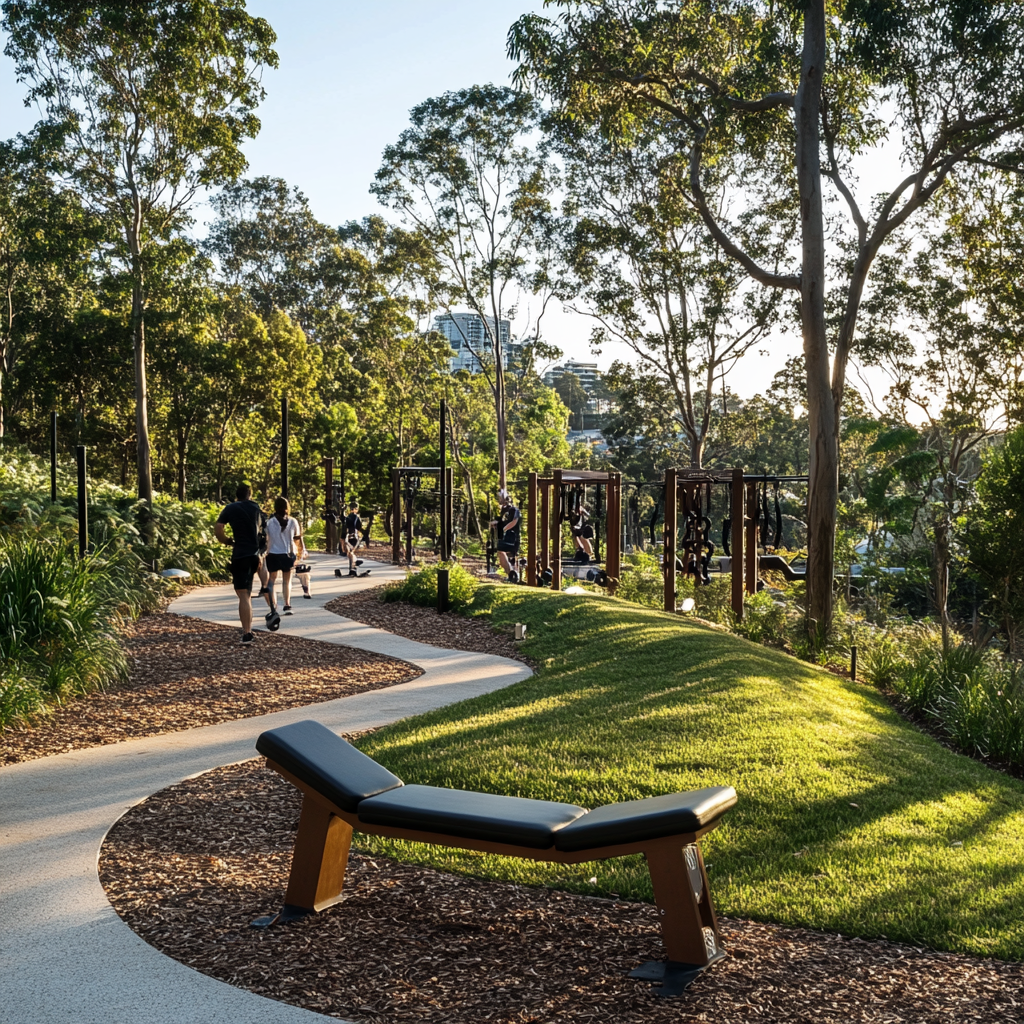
(327, 763)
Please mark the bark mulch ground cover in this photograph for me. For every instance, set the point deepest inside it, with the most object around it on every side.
(424, 624)
(188, 672)
(189, 868)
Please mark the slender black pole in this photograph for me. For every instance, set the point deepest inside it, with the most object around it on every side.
(442, 484)
(284, 446)
(83, 508)
(853, 662)
(53, 457)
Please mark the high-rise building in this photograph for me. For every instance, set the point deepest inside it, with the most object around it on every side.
(471, 341)
(587, 373)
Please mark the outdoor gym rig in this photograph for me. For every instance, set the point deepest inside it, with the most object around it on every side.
(750, 522)
(550, 500)
(343, 790)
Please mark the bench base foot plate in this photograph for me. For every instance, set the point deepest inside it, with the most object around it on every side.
(287, 914)
(675, 978)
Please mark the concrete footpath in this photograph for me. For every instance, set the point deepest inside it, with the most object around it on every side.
(66, 956)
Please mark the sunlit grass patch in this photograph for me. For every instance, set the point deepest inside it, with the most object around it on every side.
(849, 819)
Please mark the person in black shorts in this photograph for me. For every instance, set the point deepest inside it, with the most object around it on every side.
(350, 529)
(582, 533)
(246, 520)
(508, 523)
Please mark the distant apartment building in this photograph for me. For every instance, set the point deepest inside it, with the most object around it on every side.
(587, 373)
(471, 340)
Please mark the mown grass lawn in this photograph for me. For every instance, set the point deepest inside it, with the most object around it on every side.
(848, 820)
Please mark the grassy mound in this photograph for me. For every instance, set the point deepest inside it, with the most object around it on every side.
(848, 820)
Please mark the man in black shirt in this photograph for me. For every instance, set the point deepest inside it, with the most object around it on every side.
(350, 536)
(246, 520)
(508, 524)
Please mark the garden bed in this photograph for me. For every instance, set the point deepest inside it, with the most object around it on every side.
(188, 672)
(190, 867)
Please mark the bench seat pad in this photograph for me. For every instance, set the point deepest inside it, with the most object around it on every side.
(456, 812)
(638, 820)
(328, 763)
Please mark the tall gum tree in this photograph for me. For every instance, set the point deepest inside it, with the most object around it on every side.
(471, 177)
(773, 101)
(155, 99)
(644, 268)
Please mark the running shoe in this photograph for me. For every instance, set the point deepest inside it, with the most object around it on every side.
(247, 638)
(287, 609)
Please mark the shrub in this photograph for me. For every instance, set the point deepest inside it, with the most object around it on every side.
(643, 582)
(764, 620)
(59, 618)
(421, 587)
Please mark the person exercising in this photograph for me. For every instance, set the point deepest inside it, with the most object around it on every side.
(351, 528)
(582, 533)
(508, 524)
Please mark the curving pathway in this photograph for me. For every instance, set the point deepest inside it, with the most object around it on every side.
(66, 955)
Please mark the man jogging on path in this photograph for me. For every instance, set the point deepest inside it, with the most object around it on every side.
(245, 518)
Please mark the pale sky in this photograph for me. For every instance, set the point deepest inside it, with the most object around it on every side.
(349, 73)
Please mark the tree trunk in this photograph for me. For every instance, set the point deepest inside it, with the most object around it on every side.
(942, 576)
(144, 458)
(499, 409)
(823, 416)
(182, 439)
(696, 452)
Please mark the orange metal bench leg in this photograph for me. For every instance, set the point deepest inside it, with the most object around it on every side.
(318, 864)
(687, 916)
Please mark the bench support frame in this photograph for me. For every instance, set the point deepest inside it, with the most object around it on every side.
(682, 895)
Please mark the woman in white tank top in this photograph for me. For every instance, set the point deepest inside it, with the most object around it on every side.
(284, 543)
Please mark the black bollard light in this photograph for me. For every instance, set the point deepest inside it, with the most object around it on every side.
(53, 457)
(284, 446)
(853, 662)
(442, 590)
(83, 508)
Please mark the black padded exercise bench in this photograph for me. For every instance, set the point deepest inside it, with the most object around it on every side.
(343, 789)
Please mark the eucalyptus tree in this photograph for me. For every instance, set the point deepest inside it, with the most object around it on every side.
(472, 177)
(947, 333)
(772, 103)
(267, 241)
(48, 249)
(155, 99)
(652, 278)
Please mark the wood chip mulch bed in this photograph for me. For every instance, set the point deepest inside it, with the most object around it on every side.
(188, 672)
(189, 868)
(451, 630)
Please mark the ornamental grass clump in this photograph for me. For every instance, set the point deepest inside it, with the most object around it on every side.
(973, 697)
(59, 622)
(421, 587)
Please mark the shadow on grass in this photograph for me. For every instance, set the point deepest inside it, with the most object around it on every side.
(846, 812)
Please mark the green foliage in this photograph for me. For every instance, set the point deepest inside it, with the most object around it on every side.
(181, 532)
(996, 536)
(642, 582)
(764, 619)
(421, 587)
(59, 617)
(973, 697)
